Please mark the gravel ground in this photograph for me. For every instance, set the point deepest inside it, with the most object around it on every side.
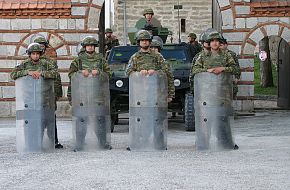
(262, 162)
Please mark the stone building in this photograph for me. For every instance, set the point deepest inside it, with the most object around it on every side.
(63, 22)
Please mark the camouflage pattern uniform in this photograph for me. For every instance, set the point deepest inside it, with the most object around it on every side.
(57, 82)
(193, 48)
(207, 60)
(47, 68)
(237, 74)
(84, 61)
(110, 41)
(151, 60)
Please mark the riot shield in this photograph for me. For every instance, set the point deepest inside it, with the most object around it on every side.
(91, 112)
(35, 117)
(148, 112)
(213, 110)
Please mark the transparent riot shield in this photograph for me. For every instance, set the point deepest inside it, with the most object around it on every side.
(35, 117)
(148, 112)
(91, 112)
(213, 111)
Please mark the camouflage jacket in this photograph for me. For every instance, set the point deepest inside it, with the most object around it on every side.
(57, 82)
(48, 69)
(151, 60)
(111, 42)
(84, 61)
(207, 60)
(238, 71)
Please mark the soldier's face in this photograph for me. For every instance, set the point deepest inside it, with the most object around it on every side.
(90, 49)
(190, 39)
(155, 49)
(206, 45)
(109, 34)
(215, 44)
(148, 17)
(144, 44)
(35, 56)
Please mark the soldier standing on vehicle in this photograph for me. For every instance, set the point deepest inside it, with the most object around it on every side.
(224, 46)
(110, 40)
(44, 44)
(147, 61)
(88, 61)
(193, 46)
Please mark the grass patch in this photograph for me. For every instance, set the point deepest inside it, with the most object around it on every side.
(261, 90)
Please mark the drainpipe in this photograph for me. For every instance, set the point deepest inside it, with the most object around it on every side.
(125, 23)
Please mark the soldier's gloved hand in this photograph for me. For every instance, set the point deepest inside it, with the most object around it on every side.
(95, 73)
(169, 100)
(151, 72)
(144, 72)
(85, 73)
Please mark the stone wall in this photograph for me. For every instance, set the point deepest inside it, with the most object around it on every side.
(196, 12)
(244, 27)
(64, 35)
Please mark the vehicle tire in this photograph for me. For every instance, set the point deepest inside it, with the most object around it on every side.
(189, 119)
(114, 121)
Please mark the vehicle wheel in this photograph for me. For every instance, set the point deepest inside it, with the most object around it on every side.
(189, 119)
(114, 121)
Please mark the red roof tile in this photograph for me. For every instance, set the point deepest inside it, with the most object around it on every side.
(34, 4)
(35, 7)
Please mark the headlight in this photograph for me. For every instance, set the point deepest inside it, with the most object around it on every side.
(119, 83)
(176, 82)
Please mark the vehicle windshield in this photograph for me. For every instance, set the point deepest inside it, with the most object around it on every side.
(178, 54)
(121, 55)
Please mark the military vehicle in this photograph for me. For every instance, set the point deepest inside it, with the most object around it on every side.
(176, 56)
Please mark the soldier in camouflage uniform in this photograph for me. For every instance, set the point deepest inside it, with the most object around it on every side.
(224, 46)
(156, 44)
(193, 46)
(57, 82)
(147, 61)
(215, 61)
(88, 62)
(110, 40)
(34, 65)
(206, 48)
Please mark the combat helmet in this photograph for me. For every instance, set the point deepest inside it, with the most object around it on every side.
(148, 11)
(34, 47)
(108, 30)
(157, 42)
(214, 35)
(41, 40)
(192, 35)
(90, 40)
(143, 35)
